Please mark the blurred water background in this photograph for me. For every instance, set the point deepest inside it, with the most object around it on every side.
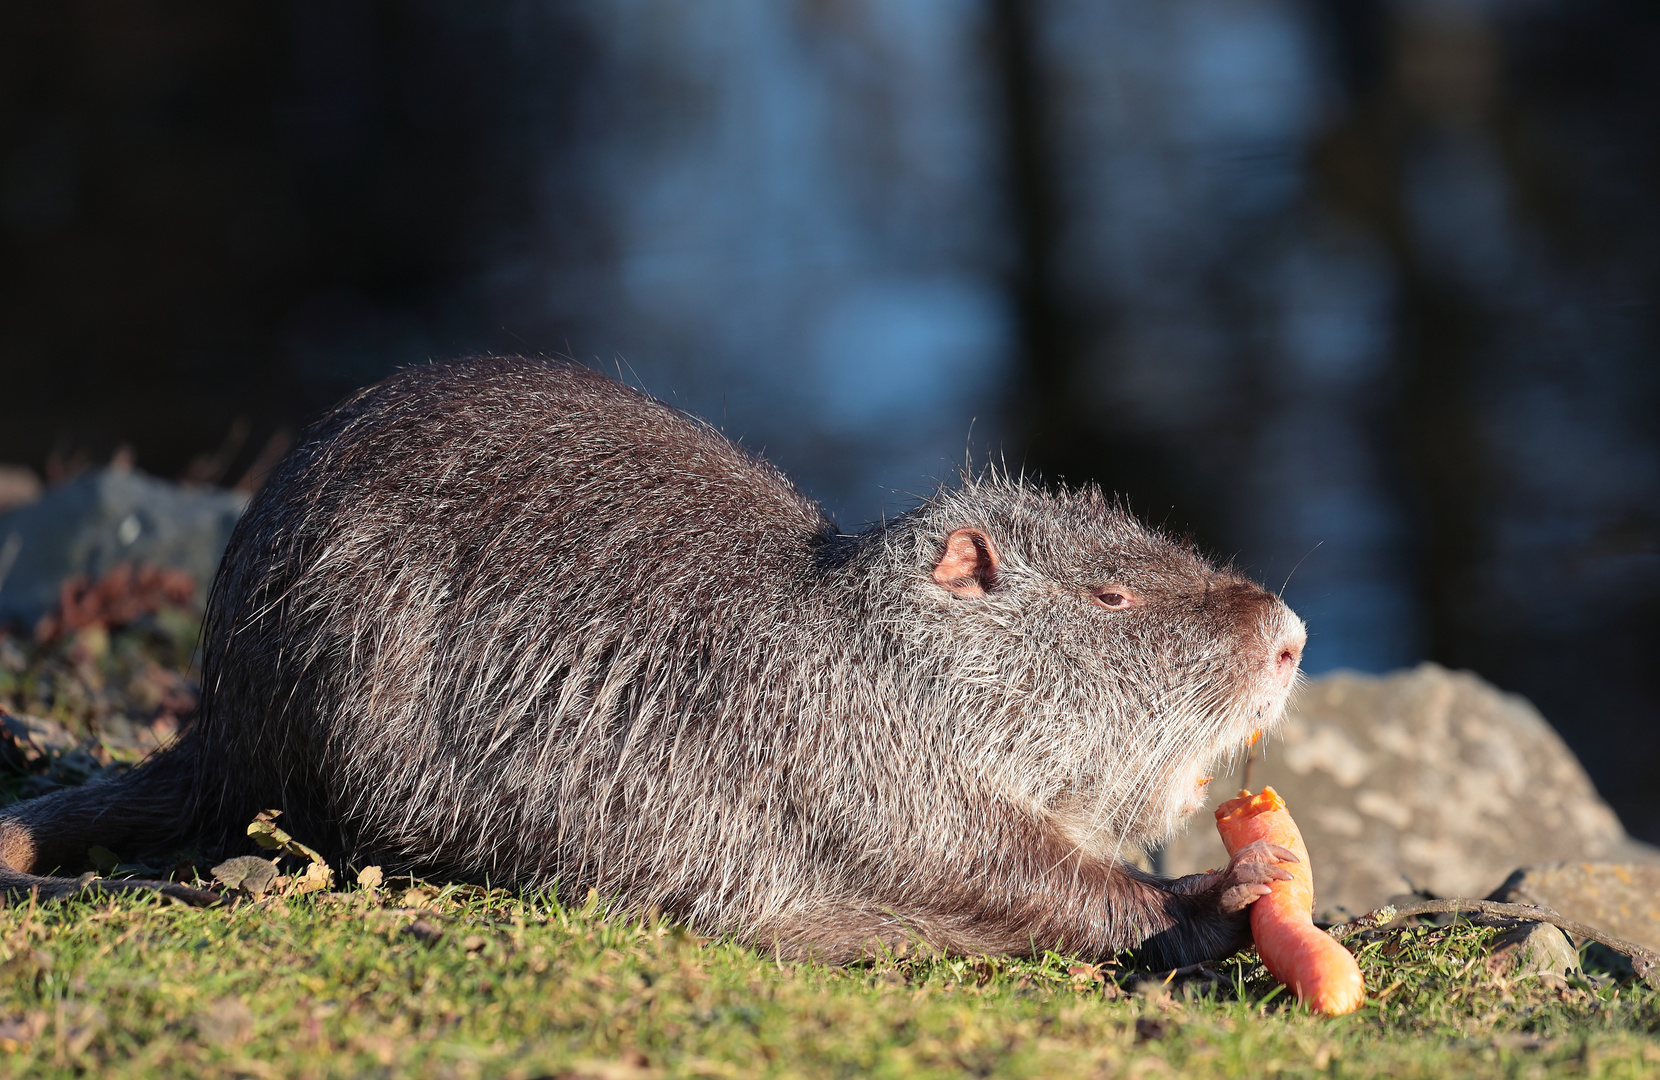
(1360, 293)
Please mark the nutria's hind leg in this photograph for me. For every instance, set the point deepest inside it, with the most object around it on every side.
(145, 810)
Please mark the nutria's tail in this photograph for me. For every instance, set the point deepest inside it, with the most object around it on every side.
(147, 809)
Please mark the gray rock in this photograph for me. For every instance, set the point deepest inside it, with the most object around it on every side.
(42, 735)
(102, 518)
(1533, 950)
(1425, 780)
(1622, 899)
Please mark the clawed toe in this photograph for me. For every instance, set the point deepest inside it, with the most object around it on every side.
(1249, 873)
(1261, 872)
(1261, 851)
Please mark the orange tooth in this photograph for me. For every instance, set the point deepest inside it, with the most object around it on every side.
(1256, 734)
(1203, 780)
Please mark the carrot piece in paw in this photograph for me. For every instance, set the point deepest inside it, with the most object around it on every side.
(1319, 970)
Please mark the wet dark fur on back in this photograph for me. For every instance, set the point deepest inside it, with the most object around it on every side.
(512, 621)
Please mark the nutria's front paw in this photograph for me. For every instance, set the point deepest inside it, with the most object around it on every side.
(1217, 903)
(1246, 878)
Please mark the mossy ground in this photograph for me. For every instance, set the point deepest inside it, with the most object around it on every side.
(465, 983)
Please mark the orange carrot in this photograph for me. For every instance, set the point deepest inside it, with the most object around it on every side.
(1318, 970)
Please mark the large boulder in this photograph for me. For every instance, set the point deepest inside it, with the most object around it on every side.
(1426, 781)
(104, 518)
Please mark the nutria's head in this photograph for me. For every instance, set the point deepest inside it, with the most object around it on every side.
(1084, 664)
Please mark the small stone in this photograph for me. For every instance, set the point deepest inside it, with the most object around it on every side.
(1534, 949)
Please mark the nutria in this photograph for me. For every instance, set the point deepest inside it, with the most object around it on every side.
(511, 621)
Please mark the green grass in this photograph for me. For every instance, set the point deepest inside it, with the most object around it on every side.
(466, 983)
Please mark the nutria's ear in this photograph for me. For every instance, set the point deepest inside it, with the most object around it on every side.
(969, 566)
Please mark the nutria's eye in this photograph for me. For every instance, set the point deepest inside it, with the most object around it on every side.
(1116, 598)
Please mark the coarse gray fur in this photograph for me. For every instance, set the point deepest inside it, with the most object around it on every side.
(510, 621)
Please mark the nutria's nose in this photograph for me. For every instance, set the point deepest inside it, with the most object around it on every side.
(1288, 650)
